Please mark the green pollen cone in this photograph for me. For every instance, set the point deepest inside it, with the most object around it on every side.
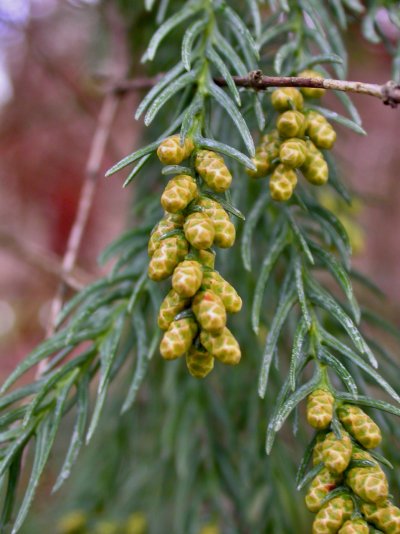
(360, 426)
(320, 409)
(170, 307)
(166, 257)
(199, 362)
(291, 124)
(209, 311)
(286, 98)
(227, 293)
(199, 230)
(187, 278)
(222, 346)
(212, 169)
(336, 453)
(384, 516)
(332, 515)
(179, 192)
(354, 526)
(320, 487)
(170, 151)
(178, 339)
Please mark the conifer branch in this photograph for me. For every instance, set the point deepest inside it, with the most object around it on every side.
(389, 92)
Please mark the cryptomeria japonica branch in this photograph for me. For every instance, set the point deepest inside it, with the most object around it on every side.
(172, 295)
(389, 92)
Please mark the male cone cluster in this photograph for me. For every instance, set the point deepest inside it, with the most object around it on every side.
(296, 142)
(193, 315)
(348, 464)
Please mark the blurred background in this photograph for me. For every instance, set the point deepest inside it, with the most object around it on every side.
(55, 58)
(50, 52)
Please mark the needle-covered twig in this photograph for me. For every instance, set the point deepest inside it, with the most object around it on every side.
(389, 92)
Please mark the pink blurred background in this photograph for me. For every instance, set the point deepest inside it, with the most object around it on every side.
(48, 110)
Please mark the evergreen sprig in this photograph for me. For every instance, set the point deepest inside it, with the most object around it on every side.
(284, 250)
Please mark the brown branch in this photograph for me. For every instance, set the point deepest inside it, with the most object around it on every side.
(122, 87)
(44, 260)
(96, 153)
(389, 93)
(100, 140)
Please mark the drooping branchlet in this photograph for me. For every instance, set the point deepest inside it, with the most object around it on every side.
(180, 245)
(294, 144)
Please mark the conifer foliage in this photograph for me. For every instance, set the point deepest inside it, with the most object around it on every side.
(208, 198)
